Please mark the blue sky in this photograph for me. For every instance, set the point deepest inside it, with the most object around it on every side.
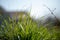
(37, 6)
(11, 5)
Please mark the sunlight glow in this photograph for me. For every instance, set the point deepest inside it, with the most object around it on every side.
(36, 6)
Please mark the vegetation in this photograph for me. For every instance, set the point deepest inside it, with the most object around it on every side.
(26, 29)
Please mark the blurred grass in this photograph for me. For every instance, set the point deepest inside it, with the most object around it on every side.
(26, 29)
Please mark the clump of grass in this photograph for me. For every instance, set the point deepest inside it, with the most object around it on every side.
(25, 29)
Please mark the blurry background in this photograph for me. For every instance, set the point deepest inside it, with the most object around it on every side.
(36, 7)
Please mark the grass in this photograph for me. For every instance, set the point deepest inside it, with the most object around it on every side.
(26, 29)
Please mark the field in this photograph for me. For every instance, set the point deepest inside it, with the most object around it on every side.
(26, 29)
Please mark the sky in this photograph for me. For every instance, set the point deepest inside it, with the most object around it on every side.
(36, 7)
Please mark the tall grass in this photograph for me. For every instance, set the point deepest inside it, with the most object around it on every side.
(26, 29)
